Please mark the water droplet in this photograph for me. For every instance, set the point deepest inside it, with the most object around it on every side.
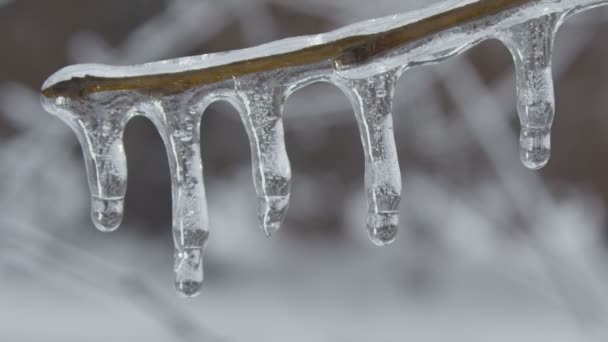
(107, 213)
(188, 270)
(383, 227)
(535, 147)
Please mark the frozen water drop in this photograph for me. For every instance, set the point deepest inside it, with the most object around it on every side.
(107, 213)
(271, 213)
(383, 227)
(535, 147)
(188, 270)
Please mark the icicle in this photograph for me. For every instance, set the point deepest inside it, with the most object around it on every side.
(180, 129)
(261, 111)
(372, 99)
(99, 129)
(531, 44)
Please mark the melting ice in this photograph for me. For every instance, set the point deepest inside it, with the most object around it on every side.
(99, 117)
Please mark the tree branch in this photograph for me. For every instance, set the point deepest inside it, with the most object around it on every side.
(344, 52)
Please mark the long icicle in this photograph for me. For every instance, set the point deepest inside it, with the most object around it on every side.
(372, 99)
(261, 108)
(180, 128)
(531, 44)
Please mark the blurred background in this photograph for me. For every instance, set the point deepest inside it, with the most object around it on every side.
(488, 251)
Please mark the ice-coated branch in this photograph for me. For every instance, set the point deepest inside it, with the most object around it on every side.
(364, 59)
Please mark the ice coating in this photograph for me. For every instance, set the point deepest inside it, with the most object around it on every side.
(97, 101)
(277, 47)
(372, 100)
(531, 44)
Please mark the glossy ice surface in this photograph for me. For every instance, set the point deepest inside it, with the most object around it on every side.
(99, 118)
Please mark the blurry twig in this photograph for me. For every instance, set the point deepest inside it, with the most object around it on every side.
(46, 254)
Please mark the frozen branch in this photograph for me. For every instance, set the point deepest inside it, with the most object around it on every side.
(365, 60)
(350, 47)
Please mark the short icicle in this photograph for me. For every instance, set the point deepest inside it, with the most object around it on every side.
(372, 99)
(99, 129)
(179, 126)
(531, 44)
(261, 108)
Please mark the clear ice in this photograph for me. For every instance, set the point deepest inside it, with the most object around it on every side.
(99, 115)
(531, 44)
(260, 103)
(372, 99)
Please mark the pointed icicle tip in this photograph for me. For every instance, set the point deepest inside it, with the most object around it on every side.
(107, 213)
(188, 272)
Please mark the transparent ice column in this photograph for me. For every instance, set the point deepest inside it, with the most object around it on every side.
(261, 105)
(99, 125)
(372, 99)
(531, 44)
(179, 125)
